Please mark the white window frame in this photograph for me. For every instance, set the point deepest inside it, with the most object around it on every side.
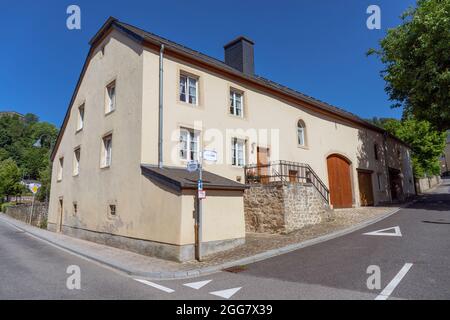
(233, 98)
(106, 151)
(236, 161)
(111, 97)
(59, 176)
(80, 119)
(190, 137)
(76, 161)
(186, 86)
(301, 128)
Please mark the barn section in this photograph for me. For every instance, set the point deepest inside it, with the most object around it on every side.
(339, 179)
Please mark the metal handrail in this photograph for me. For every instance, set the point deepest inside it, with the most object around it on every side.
(285, 171)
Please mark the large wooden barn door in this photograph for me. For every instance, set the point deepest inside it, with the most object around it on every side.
(339, 181)
(365, 188)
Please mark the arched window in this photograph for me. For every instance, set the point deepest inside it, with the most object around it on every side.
(301, 133)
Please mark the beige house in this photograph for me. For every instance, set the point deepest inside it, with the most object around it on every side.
(145, 106)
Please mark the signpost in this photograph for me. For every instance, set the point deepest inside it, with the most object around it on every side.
(34, 188)
(193, 166)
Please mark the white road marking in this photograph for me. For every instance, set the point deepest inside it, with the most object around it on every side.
(384, 295)
(197, 285)
(227, 294)
(155, 285)
(382, 232)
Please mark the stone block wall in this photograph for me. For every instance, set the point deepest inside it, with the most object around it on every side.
(22, 212)
(283, 207)
(425, 184)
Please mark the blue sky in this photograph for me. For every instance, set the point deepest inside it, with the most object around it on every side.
(317, 47)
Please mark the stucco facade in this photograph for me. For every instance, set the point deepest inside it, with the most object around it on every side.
(149, 212)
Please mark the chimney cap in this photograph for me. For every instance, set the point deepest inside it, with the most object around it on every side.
(238, 39)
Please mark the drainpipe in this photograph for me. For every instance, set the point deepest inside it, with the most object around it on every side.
(160, 126)
(385, 135)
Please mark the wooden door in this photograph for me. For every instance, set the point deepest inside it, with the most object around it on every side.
(339, 181)
(263, 160)
(365, 188)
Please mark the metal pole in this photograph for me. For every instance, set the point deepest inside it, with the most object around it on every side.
(161, 96)
(32, 209)
(200, 223)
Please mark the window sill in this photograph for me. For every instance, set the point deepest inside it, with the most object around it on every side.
(105, 167)
(302, 147)
(187, 104)
(79, 130)
(75, 175)
(109, 112)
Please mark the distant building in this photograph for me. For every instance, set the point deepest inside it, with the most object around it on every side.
(11, 113)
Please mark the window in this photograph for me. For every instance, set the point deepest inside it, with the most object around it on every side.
(301, 133)
(189, 89)
(60, 168)
(112, 209)
(80, 120)
(236, 103)
(110, 97)
(189, 144)
(76, 161)
(107, 151)
(375, 150)
(237, 152)
(379, 181)
(75, 208)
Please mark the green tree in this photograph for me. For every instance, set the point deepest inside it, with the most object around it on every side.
(10, 177)
(427, 144)
(416, 56)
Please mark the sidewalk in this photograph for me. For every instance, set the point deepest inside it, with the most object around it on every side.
(258, 246)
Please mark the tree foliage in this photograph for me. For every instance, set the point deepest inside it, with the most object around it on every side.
(17, 136)
(10, 177)
(427, 144)
(416, 56)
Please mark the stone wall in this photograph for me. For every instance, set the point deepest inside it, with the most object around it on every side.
(424, 184)
(283, 207)
(22, 212)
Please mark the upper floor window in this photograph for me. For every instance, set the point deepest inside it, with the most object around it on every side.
(76, 161)
(301, 133)
(60, 168)
(375, 150)
(237, 152)
(80, 120)
(189, 144)
(110, 97)
(106, 151)
(189, 89)
(236, 103)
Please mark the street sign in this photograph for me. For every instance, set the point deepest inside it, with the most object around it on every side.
(201, 194)
(200, 184)
(192, 166)
(210, 155)
(34, 187)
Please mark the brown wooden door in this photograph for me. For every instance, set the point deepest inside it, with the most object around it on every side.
(263, 160)
(365, 188)
(339, 182)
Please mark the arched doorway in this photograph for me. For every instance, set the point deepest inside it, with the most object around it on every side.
(339, 180)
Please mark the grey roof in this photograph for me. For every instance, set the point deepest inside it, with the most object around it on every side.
(179, 178)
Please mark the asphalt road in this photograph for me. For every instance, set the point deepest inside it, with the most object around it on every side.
(414, 265)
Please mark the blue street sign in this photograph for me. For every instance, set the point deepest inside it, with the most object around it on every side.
(200, 185)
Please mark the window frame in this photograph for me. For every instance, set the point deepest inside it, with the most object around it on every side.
(232, 100)
(109, 106)
(104, 163)
(235, 141)
(186, 86)
(76, 161)
(301, 126)
(191, 136)
(60, 171)
(80, 117)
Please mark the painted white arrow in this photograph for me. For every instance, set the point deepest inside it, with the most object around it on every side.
(383, 232)
(197, 285)
(227, 294)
